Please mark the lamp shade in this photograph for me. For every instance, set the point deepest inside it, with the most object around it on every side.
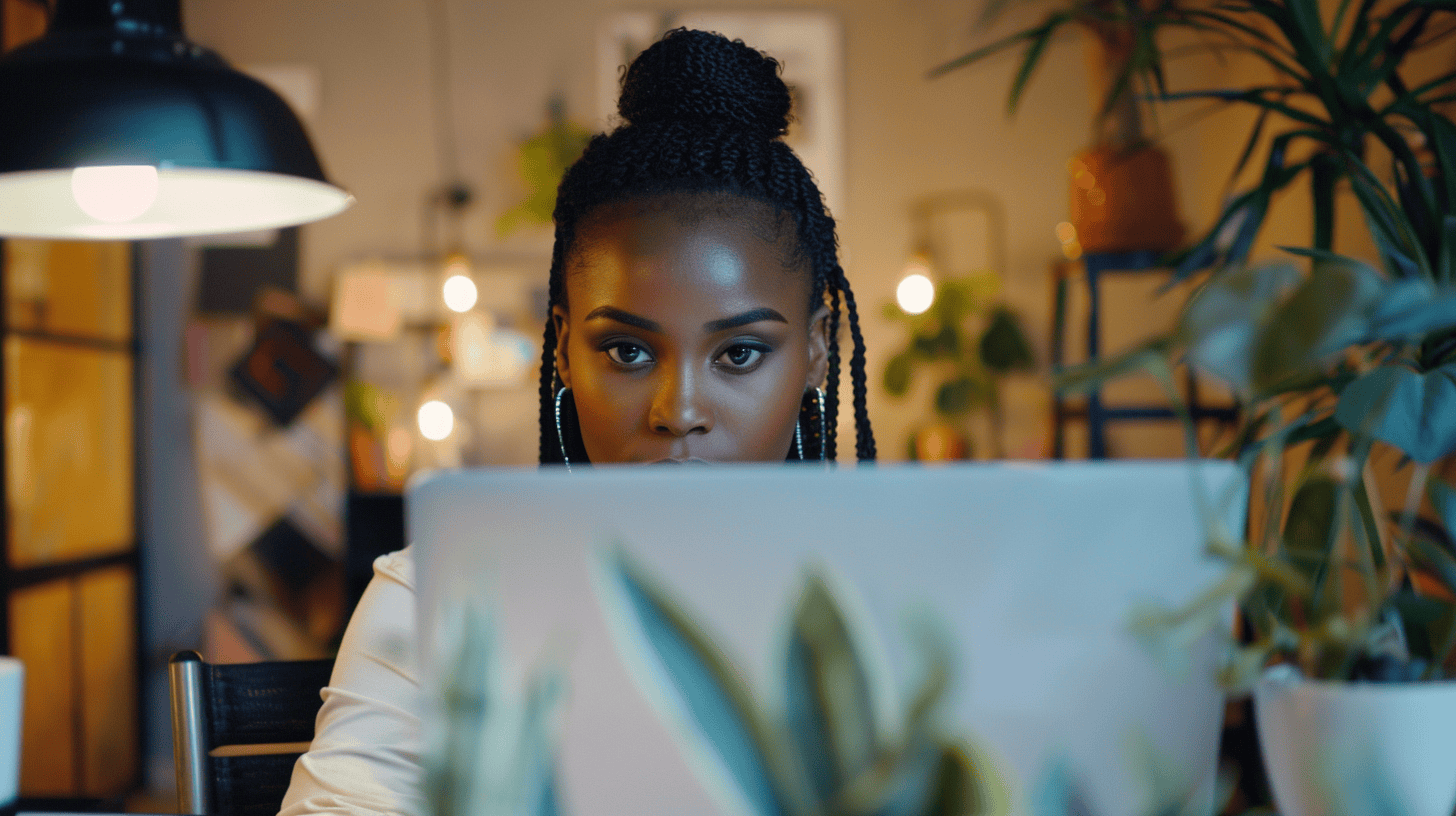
(114, 126)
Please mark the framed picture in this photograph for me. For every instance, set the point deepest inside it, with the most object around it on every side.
(809, 44)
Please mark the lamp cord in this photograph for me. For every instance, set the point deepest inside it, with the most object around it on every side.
(452, 195)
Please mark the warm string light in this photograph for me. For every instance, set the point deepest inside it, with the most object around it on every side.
(1067, 235)
(436, 420)
(460, 293)
(916, 291)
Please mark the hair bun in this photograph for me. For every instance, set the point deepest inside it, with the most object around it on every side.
(700, 77)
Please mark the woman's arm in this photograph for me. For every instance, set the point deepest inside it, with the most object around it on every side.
(365, 755)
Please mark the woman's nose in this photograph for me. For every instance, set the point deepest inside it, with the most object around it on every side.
(680, 407)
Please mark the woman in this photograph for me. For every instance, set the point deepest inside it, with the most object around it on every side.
(694, 310)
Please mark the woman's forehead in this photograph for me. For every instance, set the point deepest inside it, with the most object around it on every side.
(715, 245)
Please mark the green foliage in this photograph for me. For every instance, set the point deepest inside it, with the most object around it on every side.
(967, 340)
(542, 160)
(1334, 358)
(1004, 347)
(1138, 76)
(1339, 87)
(1326, 364)
(368, 404)
(827, 753)
(490, 752)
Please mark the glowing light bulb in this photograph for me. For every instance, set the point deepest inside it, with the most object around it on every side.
(436, 420)
(115, 194)
(460, 293)
(915, 293)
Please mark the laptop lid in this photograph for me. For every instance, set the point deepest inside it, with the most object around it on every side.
(1031, 570)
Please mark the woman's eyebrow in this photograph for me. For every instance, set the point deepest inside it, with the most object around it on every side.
(624, 317)
(751, 316)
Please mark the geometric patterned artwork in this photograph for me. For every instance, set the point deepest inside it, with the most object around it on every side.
(283, 371)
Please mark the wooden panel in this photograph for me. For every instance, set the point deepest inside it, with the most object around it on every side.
(41, 636)
(108, 682)
(22, 21)
(71, 288)
(68, 451)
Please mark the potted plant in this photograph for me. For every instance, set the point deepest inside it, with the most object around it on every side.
(970, 342)
(1341, 366)
(1121, 186)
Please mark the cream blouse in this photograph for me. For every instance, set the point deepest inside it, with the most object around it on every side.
(365, 755)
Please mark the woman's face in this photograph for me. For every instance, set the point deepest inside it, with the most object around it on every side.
(688, 334)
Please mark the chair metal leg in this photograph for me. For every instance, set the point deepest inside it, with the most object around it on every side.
(189, 745)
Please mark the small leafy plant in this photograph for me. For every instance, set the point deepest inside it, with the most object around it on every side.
(491, 751)
(969, 342)
(827, 753)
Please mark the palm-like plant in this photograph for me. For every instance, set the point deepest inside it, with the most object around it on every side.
(1335, 361)
(1126, 30)
(1338, 87)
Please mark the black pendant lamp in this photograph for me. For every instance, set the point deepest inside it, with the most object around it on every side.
(114, 126)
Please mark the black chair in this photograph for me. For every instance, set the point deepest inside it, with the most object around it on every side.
(237, 730)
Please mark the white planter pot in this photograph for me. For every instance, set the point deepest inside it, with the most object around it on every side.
(1343, 749)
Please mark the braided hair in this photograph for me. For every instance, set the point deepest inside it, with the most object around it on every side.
(706, 115)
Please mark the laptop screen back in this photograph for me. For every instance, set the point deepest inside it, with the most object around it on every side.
(1031, 570)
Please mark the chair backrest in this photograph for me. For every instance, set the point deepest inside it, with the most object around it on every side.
(222, 706)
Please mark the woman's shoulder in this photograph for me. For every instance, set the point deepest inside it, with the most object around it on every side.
(398, 567)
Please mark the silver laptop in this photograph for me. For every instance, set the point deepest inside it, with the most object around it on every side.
(1033, 571)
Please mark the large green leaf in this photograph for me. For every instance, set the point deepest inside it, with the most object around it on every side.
(1413, 411)
(961, 394)
(1145, 357)
(1221, 321)
(1441, 134)
(829, 706)
(1309, 529)
(1004, 347)
(944, 342)
(1412, 308)
(1430, 556)
(1399, 246)
(703, 691)
(1032, 57)
(1306, 17)
(1058, 792)
(961, 785)
(1446, 263)
(1443, 498)
(898, 372)
(1325, 314)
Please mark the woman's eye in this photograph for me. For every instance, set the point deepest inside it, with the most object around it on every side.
(742, 356)
(627, 354)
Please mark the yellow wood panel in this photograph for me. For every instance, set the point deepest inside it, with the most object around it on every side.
(108, 681)
(24, 20)
(68, 451)
(40, 635)
(69, 287)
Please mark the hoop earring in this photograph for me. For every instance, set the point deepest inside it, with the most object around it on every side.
(561, 437)
(799, 438)
(823, 424)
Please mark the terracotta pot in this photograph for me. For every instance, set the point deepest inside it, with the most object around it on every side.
(1122, 200)
(1341, 749)
(939, 442)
